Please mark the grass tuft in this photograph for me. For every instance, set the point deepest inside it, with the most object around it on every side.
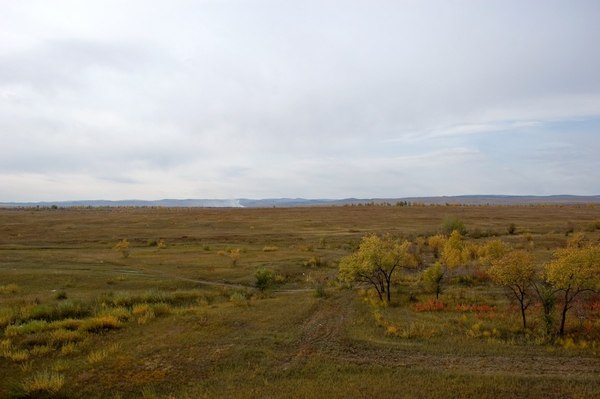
(100, 323)
(43, 383)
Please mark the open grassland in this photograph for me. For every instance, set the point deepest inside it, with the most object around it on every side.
(179, 315)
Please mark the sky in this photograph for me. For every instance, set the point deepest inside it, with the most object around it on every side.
(316, 99)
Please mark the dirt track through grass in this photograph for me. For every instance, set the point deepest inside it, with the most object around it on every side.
(323, 333)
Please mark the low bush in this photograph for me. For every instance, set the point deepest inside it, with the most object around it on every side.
(238, 298)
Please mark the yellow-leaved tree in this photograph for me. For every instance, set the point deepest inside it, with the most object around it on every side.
(376, 261)
(516, 270)
(453, 253)
(573, 271)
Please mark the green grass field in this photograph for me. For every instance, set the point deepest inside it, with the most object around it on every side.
(179, 318)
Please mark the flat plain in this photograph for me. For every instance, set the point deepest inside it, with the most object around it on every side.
(176, 314)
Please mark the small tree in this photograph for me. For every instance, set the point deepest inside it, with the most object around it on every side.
(264, 278)
(516, 270)
(433, 277)
(436, 243)
(492, 250)
(573, 271)
(123, 247)
(375, 262)
(453, 253)
(547, 296)
(234, 255)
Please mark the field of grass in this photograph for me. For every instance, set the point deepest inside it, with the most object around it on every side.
(179, 316)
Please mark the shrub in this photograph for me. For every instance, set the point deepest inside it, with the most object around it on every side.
(320, 291)
(238, 298)
(453, 223)
(43, 383)
(511, 229)
(123, 247)
(315, 261)
(269, 248)
(234, 255)
(264, 278)
(433, 277)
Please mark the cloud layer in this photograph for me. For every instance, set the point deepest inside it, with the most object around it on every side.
(331, 99)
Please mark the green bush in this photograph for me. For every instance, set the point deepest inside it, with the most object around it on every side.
(452, 223)
(264, 279)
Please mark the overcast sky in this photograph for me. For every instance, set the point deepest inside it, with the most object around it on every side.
(321, 99)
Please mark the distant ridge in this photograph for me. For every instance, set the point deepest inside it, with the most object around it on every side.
(296, 202)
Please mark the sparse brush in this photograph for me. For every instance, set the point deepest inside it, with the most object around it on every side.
(26, 367)
(69, 349)
(43, 383)
(238, 299)
(315, 261)
(5, 344)
(60, 365)
(16, 355)
(100, 355)
(320, 291)
(121, 313)
(9, 289)
(161, 309)
(7, 316)
(40, 350)
(143, 313)
(61, 337)
(100, 323)
(97, 356)
(140, 309)
(30, 327)
(67, 324)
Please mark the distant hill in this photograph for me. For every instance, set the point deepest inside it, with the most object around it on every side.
(295, 202)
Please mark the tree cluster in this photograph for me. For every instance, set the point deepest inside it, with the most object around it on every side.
(573, 270)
